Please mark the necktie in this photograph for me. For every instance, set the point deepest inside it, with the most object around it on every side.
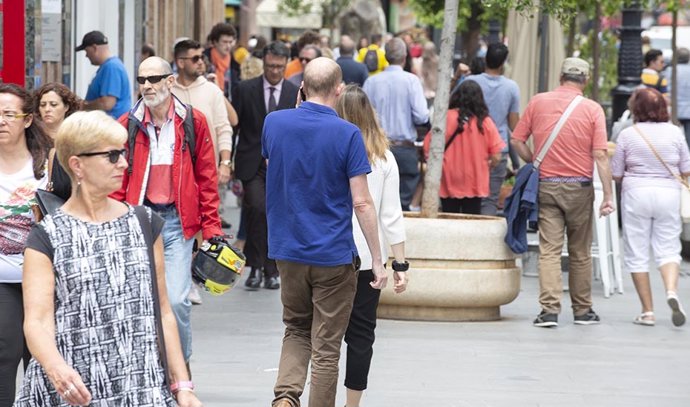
(271, 100)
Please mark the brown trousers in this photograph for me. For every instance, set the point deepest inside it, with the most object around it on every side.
(317, 302)
(565, 207)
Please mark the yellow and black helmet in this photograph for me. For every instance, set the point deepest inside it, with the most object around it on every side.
(217, 266)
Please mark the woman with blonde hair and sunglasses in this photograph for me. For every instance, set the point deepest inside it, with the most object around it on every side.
(354, 106)
(95, 307)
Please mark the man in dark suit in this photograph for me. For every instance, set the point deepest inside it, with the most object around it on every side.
(353, 71)
(255, 99)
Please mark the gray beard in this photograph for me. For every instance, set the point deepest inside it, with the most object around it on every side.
(161, 97)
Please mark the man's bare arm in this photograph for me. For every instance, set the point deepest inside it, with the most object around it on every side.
(521, 148)
(102, 103)
(513, 119)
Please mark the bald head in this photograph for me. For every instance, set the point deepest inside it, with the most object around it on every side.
(347, 46)
(322, 76)
(155, 66)
(156, 74)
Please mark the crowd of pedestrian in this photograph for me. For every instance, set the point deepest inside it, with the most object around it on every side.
(325, 148)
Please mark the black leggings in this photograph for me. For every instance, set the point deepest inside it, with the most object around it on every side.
(360, 332)
(12, 347)
(471, 206)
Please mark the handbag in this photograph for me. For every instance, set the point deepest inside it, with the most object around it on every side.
(147, 229)
(48, 201)
(685, 187)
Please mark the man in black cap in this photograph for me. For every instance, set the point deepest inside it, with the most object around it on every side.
(109, 90)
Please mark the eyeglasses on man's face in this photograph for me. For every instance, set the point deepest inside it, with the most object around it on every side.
(275, 67)
(9, 117)
(194, 59)
(305, 60)
(113, 155)
(152, 78)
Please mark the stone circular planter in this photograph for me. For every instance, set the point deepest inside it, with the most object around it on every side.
(460, 270)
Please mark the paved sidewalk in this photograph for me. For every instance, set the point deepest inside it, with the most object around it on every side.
(237, 339)
(508, 363)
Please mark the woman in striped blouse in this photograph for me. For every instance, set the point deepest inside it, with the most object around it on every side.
(651, 198)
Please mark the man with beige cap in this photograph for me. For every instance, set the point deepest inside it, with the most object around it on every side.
(566, 194)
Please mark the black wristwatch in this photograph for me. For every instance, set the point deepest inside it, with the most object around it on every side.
(402, 267)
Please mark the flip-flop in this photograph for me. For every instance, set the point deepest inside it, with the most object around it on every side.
(643, 319)
(677, 313)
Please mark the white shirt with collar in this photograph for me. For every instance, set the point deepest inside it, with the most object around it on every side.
(276, 93)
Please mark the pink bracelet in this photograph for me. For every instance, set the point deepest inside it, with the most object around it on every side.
(175, 387)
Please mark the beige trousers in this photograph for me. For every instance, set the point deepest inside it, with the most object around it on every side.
(317, 302)
(565, 208)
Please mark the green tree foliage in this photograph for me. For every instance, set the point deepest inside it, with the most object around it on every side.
(431, 11)
(608, 76)
(329, 9)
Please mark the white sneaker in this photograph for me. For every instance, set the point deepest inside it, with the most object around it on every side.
(677, 312)
(194, 295)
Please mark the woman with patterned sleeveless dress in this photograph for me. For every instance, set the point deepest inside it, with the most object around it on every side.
(90, 319)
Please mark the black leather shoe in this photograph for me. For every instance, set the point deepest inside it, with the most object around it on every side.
(253, 282)
(271, 283)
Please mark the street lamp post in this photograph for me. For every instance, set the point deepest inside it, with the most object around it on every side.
(629, 58)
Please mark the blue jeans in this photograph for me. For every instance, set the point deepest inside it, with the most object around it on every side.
(178, 276)
(496, 178)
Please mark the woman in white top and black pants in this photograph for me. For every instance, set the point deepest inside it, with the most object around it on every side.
(354, 106)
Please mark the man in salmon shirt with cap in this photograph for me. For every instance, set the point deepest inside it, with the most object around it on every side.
(566, 194)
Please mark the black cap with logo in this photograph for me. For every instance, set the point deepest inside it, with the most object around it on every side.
(92, 38)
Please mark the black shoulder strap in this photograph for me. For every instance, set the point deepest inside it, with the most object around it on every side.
(132, 128)
(450, 140)
(147, 229)
(659, 82)
(189, 135)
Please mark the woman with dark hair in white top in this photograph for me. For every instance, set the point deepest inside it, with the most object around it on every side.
(354, 106)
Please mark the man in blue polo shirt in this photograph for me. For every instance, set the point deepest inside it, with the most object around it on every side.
(109, 90)
(316, 174)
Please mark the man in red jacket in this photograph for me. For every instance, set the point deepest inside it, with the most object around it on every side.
(180, 185)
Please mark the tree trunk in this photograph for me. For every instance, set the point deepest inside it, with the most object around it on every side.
(472, 35)
(432, 179)
(674, 68)
(596, 52)
(247, 20)
(572, 30)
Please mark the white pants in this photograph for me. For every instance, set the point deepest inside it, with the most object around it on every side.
(651, 216)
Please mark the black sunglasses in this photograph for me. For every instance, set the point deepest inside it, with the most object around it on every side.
(152, 79)
(307, 60)
(113, 155)
(194, 59)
